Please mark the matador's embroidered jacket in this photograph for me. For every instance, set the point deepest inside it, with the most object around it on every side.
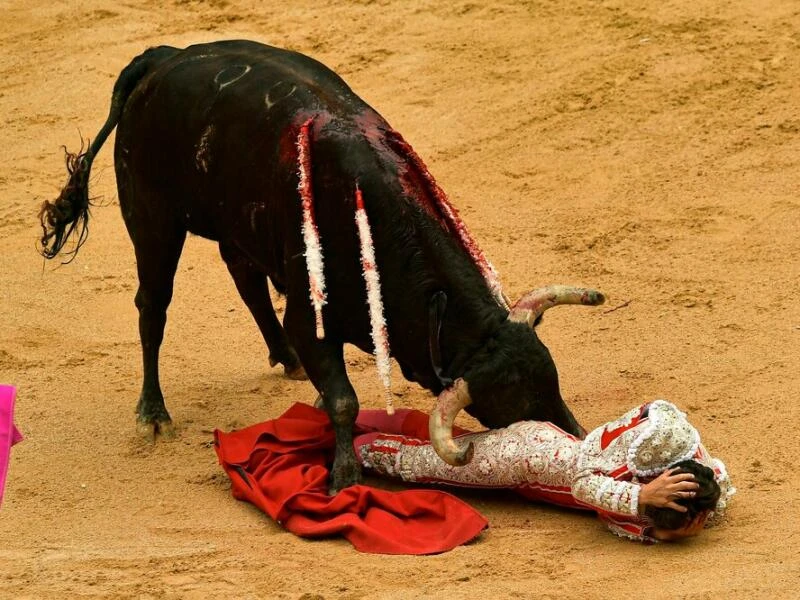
(542, 462)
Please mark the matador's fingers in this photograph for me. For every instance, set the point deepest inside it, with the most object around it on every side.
(676, 506)
(683, 486)
(678, 477)
(684, 494)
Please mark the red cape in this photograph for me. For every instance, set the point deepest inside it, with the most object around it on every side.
(280, 466)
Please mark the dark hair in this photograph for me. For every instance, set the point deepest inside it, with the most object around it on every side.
(705, 498)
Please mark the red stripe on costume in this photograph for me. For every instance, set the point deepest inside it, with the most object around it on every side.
(405, 441)
(628, 526)
(619, 472)
(413, 442)
(375, 447)
(447, 482)
(609, 436)
(563, 489)
(558, 495)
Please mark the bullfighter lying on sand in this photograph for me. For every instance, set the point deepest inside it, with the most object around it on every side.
(646, 474)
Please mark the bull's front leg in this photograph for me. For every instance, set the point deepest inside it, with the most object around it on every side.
(325, 366)
(340, 402)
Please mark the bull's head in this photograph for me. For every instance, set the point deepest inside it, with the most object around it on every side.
(512, 378)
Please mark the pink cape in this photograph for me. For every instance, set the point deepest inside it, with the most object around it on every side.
(281, 466)
(9, 434)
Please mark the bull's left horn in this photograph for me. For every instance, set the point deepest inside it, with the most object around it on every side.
(531, 306)
(448, 405)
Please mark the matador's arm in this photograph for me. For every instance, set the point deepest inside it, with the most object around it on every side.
(606, 494)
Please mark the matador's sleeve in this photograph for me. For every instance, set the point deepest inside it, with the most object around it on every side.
(606, 494)
(616, 503)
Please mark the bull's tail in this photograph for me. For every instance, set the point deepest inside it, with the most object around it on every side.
(68, 215)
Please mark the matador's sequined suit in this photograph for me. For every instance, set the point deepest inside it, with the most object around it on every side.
(542, 462)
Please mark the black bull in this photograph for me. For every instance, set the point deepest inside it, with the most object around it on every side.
(207, 143)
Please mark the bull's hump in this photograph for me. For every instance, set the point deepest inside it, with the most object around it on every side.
(249, 70)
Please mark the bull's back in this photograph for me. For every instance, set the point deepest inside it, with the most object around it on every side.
(209, 133)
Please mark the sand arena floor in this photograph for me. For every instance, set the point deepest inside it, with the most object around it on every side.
(649, 149)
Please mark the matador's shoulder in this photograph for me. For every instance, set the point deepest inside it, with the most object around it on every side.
(642, 442)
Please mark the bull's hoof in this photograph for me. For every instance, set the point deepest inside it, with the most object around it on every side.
(291, 369)
(297, 373)
(150, 429)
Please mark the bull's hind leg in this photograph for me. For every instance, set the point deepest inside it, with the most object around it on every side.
(252, 286)
(157, 252)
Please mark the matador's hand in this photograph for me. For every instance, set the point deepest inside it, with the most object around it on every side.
(665, 489)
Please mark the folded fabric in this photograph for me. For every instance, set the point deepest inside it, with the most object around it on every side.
(9, 434)
(280, 466)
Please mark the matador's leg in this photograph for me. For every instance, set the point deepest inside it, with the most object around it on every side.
(502, 457)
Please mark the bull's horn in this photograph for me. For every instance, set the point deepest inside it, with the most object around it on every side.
(440, 424)
(531, 306)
